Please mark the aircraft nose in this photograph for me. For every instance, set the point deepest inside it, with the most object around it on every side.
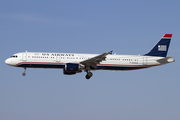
(8, 62)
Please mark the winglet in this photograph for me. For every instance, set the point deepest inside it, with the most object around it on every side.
(167, 36)
(110, 52)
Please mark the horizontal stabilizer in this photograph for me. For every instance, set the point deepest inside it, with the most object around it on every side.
(166, 60)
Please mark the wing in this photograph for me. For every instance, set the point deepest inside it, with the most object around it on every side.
(92, 62)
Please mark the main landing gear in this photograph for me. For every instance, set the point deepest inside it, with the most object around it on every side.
(89, 74)
(24, 73)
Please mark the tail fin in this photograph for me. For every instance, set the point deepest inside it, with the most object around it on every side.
(161, 48)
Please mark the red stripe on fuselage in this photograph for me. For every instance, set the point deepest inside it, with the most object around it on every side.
(49, 63)
(119, 65)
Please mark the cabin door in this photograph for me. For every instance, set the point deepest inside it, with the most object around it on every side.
(24, 56)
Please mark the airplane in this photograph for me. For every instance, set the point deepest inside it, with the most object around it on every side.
(73, 63)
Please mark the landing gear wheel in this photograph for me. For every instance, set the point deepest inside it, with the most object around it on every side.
(23, 74)
(89, 75)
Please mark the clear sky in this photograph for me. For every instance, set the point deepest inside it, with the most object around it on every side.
(94, 26)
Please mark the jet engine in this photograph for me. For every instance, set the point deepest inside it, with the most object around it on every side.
(72, 68)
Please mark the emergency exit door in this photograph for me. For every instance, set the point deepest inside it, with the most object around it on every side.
(145, 60)
(24, 56)
(58, 58)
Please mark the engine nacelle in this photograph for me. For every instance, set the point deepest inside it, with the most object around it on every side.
(71, 68)
(69, 72)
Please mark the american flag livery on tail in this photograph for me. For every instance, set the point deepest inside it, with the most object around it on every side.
(161, 48)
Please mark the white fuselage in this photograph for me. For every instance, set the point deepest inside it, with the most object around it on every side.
(58, 60)
(73, 63)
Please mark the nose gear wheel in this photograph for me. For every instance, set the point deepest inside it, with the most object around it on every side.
(24, 73)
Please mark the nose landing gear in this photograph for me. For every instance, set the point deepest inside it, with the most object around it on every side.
(24, 73)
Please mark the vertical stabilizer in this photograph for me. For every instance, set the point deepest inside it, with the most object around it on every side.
(161, 48)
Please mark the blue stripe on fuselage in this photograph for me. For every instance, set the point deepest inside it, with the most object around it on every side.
(28, 65)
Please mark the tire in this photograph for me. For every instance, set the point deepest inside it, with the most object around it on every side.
(23, 74)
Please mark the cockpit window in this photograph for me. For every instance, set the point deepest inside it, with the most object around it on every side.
(14, 56)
